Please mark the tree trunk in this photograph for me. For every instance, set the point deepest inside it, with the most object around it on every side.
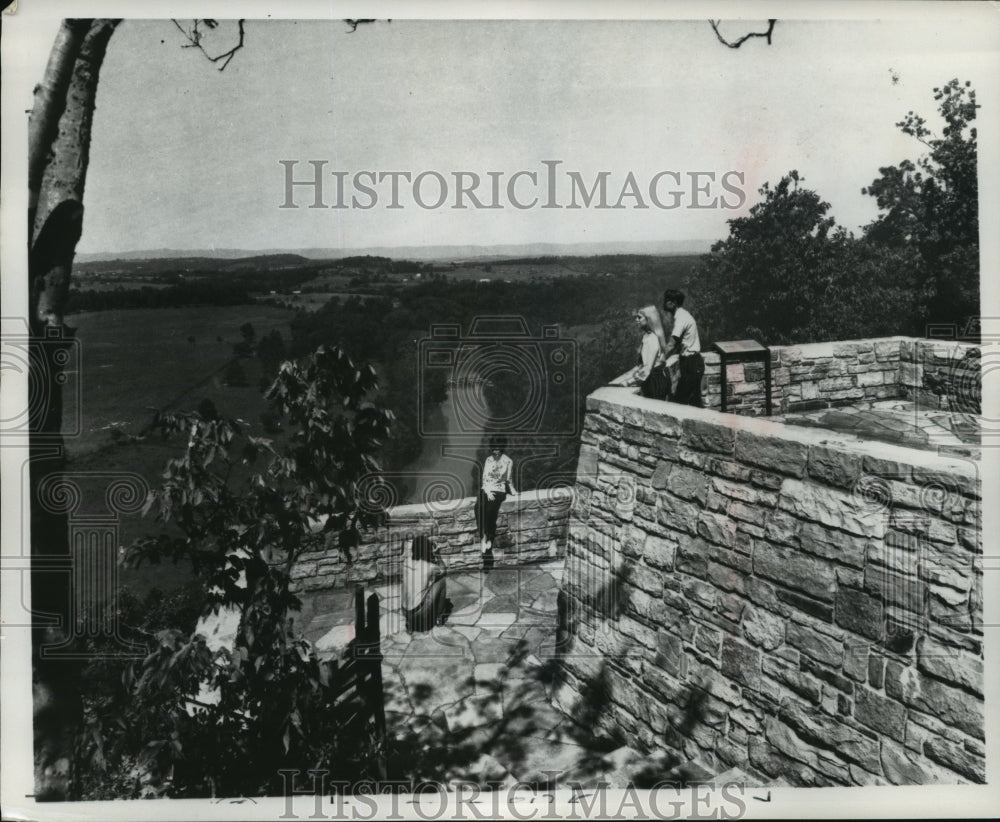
(60, 163)
(59, 145)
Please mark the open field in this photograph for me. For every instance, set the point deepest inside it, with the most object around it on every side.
(138, 359)
(135, 360)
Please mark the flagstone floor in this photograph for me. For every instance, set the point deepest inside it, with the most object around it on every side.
(472, 699)
(900, 422)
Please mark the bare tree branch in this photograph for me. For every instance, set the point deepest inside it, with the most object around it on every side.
(194, 37)
(735, 44)
(355, 23)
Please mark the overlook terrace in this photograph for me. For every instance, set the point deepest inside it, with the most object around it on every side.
(781, 602)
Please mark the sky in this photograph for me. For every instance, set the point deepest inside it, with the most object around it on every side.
(186, 157)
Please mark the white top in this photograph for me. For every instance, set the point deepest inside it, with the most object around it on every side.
(496, 474)
(651, 356)
(686, 332)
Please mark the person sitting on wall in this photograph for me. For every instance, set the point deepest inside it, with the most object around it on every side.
(685, 342)
(424, 598)
(495, 486)
(651, 374)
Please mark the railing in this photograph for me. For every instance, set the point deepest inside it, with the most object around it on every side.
(356, 678)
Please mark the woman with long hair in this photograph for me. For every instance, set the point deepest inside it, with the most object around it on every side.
(494, 487)
(424, 597)
(651, 373)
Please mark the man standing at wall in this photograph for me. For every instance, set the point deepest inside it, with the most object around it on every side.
(685, 342)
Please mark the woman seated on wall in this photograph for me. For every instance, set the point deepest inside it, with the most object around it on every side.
(652, 374)
(424, 601)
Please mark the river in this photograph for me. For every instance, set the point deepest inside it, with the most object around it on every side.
(447, 467)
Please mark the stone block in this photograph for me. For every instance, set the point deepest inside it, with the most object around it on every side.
(953, 665)
(763, 628)
(716, 528)
(688, 483)
(659, 552)
(785, 672)
(856, 660)
(708, 436)
(767, 759)
(706, 678)
(672, 691)
(660, 474)
(885, 716)
(772, 453)
(832, 508)
(731, 608)
(677, 514)
(692, 557)
(726, 578)
(649, 607)
(782, 527)
(795, 569)
(957, 757)
(728, 468)
(903, 767)
(832, 733)
(661, 422)
(741, 662)
(800, 602)
(858, 612)
(747, 513)
(766, 479)
(908, 592)
(730, 557)
(923, 527)
(887, 350)
(708, 640)
(834, 466)
(869, 378)
(587, 462)
(700, 593)
(952, 706)
(820, 647)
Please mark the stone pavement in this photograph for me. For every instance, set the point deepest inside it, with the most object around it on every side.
(472, 699)
(899, 422)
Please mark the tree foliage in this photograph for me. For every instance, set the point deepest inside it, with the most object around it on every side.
(193, 721)
(932, 205)
(762, 281)
(788, 274)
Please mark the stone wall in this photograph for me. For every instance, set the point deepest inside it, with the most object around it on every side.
(828, 374)
(943, 375)
(802, 605)
(531, 527)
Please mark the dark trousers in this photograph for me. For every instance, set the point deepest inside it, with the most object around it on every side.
(487, 512)
(425, 616)
(689, 383)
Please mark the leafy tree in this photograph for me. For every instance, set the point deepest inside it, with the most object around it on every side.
(932, 205)
(271, 351)
(242, 513)
(235, 376)
(788, 274)
(761, 281)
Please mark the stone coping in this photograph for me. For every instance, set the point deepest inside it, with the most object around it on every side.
(661, 413)
(541, 498)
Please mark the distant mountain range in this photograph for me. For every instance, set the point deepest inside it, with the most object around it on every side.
(432, 252)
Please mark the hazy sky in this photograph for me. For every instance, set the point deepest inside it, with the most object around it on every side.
(184, 156)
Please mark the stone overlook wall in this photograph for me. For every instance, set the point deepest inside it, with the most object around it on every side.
(820, 375)
(802, 605)
(531, 527)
